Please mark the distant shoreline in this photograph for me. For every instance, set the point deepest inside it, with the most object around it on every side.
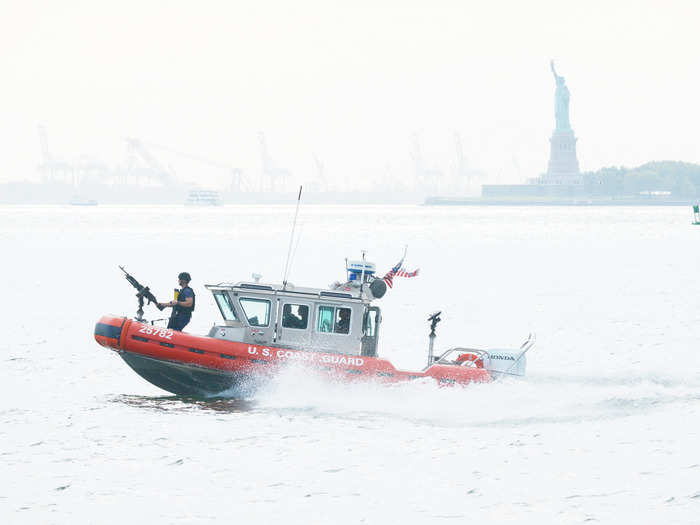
(437, 201)
(427, 203)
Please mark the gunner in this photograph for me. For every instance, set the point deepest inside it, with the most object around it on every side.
(183, 305)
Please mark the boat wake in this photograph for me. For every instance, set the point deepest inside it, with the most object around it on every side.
(507, 402)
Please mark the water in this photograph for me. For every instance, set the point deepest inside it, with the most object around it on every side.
(604, 429)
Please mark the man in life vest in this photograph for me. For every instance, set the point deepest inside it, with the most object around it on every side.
(183, 304)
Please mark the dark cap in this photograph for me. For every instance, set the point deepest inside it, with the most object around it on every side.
(185, 276)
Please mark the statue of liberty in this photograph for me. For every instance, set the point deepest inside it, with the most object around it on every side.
(563, 169)
(561, 101)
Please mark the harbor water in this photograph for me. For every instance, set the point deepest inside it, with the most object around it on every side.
(604, 429)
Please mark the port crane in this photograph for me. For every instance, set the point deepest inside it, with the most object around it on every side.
(136, 149)
(238, 183)
(274, 178)
(52, 169)
(427, 178)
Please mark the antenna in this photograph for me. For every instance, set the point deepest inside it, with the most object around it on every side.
(296, 246)
(362, 275)
(291, 240)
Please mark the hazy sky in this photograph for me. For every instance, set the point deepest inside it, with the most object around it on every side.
(350, 82)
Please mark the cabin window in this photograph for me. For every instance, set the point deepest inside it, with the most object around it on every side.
(295, 316)
(257, 311)
(225, 306)
(333, 319)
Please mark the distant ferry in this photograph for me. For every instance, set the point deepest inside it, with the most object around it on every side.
(76, 201)
(203, 198)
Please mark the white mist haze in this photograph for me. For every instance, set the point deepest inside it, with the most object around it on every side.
(349, 83)
(601, 430)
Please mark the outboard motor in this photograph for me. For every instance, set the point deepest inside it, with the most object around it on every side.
(508, 361)
(505, 362)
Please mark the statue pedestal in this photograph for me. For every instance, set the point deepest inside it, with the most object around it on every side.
(563, 164)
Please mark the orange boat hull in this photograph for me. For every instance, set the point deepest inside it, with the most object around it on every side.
(186, 364)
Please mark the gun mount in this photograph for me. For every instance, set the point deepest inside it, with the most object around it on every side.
(434, 320)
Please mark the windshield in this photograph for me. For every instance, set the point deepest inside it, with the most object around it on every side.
(257, 311)
(225, 306)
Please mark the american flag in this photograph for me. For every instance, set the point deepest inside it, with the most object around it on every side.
(389, 277)
(404, 273)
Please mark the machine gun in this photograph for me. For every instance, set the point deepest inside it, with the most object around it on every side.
(142, 293)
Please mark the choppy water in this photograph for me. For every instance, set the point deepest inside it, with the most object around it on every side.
(604, 429)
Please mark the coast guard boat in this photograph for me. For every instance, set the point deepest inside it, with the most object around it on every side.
(264, 327)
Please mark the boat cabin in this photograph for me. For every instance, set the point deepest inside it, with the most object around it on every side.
(312, 319)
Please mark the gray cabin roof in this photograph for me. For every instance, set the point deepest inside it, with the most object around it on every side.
(345, 293)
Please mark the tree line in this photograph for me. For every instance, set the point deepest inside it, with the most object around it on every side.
(679, 179)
